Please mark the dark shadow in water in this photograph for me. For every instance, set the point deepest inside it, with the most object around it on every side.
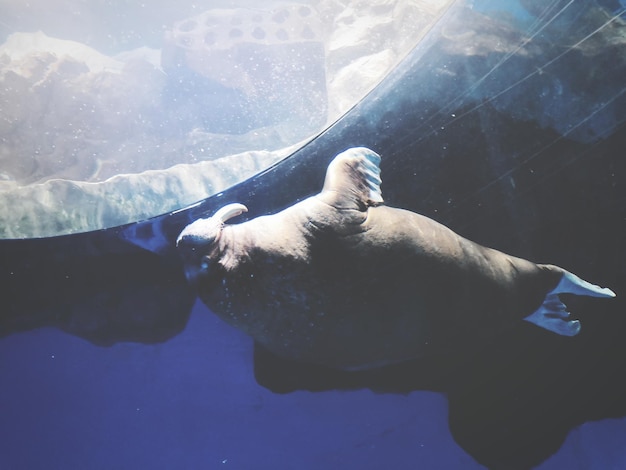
(512, 401)
(123, 294)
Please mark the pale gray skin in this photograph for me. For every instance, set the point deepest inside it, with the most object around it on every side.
(344, 281)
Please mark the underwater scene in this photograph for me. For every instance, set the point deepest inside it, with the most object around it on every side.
(313, 234)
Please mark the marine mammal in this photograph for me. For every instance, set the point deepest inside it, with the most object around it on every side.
(342, 280)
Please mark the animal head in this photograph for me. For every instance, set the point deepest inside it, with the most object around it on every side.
(198, 240)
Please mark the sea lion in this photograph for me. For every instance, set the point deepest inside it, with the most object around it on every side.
(341, 280)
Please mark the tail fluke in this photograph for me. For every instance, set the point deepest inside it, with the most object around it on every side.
(572, 284)
(553, 315)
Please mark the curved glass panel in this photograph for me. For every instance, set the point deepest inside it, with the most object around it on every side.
(115, 114)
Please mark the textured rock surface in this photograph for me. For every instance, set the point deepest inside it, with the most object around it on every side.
(369, 38)
(63, 206)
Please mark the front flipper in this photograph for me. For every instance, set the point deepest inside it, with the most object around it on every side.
(553, 315)
(353, 180)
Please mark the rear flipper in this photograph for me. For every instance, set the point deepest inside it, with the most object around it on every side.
(553, 315)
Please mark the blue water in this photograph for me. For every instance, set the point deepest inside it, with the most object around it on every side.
(193, 403)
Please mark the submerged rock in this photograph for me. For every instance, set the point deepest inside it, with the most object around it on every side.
(70, 112)
(62, 206)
